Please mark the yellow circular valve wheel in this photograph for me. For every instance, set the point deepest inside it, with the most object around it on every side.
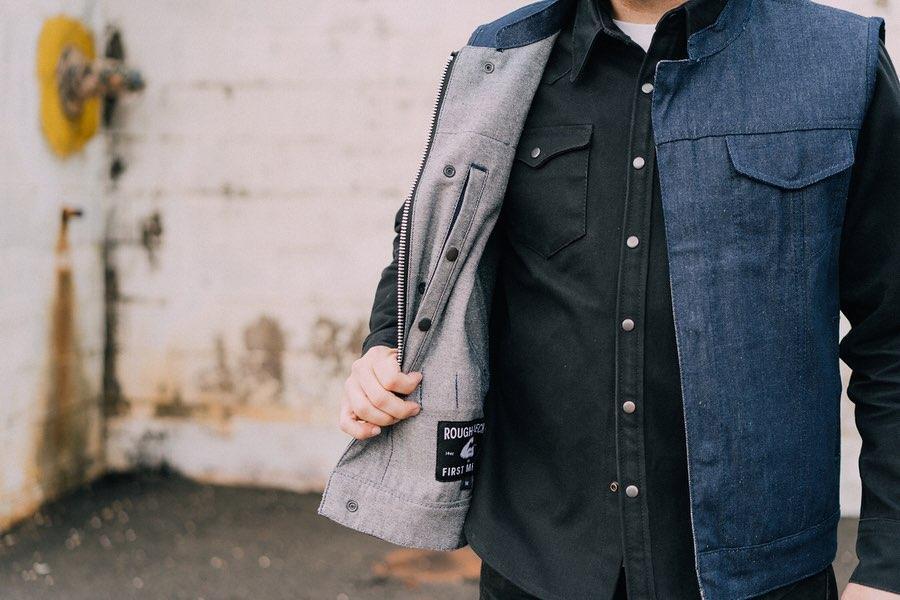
(65, 134)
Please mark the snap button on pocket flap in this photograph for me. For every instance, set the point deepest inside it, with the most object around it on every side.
(540, 144)
(791, 159)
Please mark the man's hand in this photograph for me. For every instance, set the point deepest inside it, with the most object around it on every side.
(854, 591)
(369, 401)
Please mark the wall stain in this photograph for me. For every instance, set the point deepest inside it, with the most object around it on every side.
(261, 378)
(151, 236)
(113, 401)
(62, 456)
(336, 344)
(218, 379)
(255, 378)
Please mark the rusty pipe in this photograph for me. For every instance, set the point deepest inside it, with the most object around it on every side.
(80, 79)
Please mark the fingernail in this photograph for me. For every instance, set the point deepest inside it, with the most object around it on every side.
(417, 410)
(376, 430)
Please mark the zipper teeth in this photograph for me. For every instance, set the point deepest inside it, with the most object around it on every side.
(407, 210)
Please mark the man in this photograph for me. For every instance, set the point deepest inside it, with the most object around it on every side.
(606, 352)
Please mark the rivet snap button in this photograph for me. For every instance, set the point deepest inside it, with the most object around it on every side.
(449, 171)
(632, 241)
(452, 254)
(631, 491)
(627, 324)
(535, 152)
(421, 287)
(424, 324)
(614, 486)
(488, 67)
(647, 88)
(638, 162)
(629, 407)
(352, 506)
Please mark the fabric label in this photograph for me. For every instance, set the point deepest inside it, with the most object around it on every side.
(457, 450)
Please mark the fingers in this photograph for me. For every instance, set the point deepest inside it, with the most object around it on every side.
(358, 429)
(381, 398)
(362, 406)
(369, 401)
(393, 379)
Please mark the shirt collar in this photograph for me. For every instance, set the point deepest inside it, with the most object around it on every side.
(593, 17)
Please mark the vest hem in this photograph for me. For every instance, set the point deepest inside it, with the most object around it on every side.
(376, 511)
(741, 572)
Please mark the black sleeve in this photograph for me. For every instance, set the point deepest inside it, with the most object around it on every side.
(383, 320)
(870, 298)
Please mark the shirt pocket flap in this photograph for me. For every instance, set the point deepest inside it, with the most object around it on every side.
(540, 144)
(791, 159)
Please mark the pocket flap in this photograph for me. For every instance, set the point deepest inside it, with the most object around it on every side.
(540, 144)
(791, 159)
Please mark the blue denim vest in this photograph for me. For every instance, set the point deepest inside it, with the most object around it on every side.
(755, 135)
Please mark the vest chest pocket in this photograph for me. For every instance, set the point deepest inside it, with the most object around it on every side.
(546, 196)
(788, 189)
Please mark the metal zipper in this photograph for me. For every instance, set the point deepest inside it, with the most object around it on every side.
(403, 250)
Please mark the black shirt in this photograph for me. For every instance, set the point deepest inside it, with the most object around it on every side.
(582, 249)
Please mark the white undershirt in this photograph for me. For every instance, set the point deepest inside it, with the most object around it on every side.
(640, 33)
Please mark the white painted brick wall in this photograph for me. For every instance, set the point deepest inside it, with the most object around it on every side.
(275, 140)
(34, 186)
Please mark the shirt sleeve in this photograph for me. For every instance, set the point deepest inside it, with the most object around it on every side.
(870, 299)
(383, 319)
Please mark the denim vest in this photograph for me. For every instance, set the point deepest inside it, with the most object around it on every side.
(755, 136)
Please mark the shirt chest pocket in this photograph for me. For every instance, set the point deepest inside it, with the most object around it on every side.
(789, 188)
(546, 197)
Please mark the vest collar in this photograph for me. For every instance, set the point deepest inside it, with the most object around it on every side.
(542, 19)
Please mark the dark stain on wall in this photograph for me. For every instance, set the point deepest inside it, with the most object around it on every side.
(113, 402)
(176, 408)
(337, 344)
(62, 458)
(256, 377)
(151, 235)
(262, 365)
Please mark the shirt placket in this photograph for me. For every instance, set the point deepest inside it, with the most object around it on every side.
(631, 301)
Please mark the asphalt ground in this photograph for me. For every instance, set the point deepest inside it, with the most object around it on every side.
(159, 536)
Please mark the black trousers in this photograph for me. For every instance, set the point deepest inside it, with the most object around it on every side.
(821, 586)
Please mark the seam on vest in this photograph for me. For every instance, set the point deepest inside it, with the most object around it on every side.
(469, 132)
(389, 492)
(852, 125)
(498, 40)
(739, 28)
(876, 35)
(820, 525)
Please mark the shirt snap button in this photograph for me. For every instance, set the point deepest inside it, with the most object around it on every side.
(352, 506)
(614, 486)
(638, 162)
(452, 254)
(535, 152)
(647, 88)
(629, 407)
(488, 67)
(631, 491)
(627, 324)
(632, 241)
(449, 171)
(425, 324)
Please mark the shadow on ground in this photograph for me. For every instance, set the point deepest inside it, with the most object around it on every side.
(158, 536)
